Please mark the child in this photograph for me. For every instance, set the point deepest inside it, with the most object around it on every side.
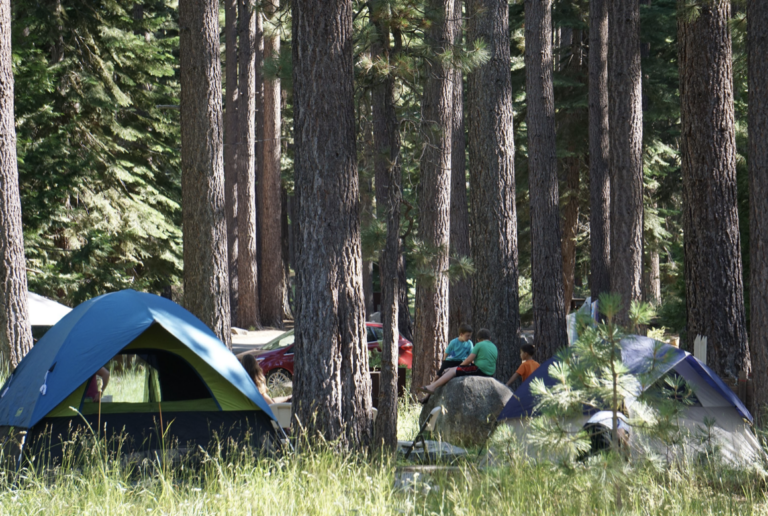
(480, 362)
(458, 349)
(252, 367)
(528, 366)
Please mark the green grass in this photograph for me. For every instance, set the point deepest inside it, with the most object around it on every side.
(127, 385)
(321, 481)
(324, 482)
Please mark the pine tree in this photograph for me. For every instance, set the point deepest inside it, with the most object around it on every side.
(492, 184)
(460, 290)
(206, 282)
(387, 168)
(250, 33)
(431, 332)
(230, 149)
(99, 151)
(15, 333)
(757, 21)
(713, 274)
(626, 152)
(546, 254)
(331, 388)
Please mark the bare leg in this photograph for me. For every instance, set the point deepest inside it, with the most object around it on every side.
(448, 375)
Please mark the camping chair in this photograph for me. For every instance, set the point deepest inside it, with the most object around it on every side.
(428, 426)
(281, 436)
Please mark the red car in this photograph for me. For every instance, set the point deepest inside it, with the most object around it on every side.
(276, 357)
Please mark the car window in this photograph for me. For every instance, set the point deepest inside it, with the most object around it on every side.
(281, 342)
(372, 335)
(378, 332)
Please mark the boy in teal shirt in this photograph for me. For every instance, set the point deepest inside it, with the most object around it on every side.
(458, 349)
(480, 362)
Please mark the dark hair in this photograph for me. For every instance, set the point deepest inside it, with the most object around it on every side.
(465, 328)
(528, 348)
(252, 367)
(483, 334)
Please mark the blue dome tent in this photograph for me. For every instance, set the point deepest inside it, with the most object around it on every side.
(193, 382)
(714, 399)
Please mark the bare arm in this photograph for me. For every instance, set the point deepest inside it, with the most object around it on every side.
(104, 374)
(512, 380)
(471, 358)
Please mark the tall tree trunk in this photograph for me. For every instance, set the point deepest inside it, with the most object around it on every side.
(431, 331)
(546, 255)
(15, 332)
(206, 278)
(332, 387)
(570, 228)
(366, 219)
(599, 145)
(495, 302)
(387, 170)
(757, 21)
(713, 274)
(571, 126)
(248, 314)
(405, 323)
(460, 301)
(271, 272)
(231, 128)
(652, 281)
(626, 156)
(286, 245)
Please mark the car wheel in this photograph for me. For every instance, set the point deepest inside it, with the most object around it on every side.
(278, 378)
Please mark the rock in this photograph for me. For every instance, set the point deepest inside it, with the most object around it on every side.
(472, 404)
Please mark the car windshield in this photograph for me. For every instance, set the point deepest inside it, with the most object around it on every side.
(283, 341)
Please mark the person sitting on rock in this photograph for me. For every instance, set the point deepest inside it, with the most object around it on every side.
(458, 349)
(480, 362)
(528, 366)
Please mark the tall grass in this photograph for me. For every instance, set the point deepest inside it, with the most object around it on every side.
(232, 480)
(318, 480)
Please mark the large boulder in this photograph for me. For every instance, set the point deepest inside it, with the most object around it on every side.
(471, 405)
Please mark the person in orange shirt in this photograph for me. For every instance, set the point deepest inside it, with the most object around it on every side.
(528, 366)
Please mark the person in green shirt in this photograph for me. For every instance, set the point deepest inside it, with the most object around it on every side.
(480, 362)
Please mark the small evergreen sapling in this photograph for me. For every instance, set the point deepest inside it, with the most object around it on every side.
(591, 375)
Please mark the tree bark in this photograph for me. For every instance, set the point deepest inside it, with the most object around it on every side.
(546, 254)
(460, 298)
(286, 245)
(626, 156)
(15, 332)
(572, 129)
(248, 314)
(652, 283)
(599, 146)
(387, 179)
(757, 41)
(713, 274)
(366, 219)
(272, 275)
(206, 278)
(570, 228)
(332, 389)
(231, 128)
(495, 302)
(431, 332)
(405, 322)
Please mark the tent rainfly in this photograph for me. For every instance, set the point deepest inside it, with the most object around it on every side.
(713, 401)
(193, 385)
(45, 312)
